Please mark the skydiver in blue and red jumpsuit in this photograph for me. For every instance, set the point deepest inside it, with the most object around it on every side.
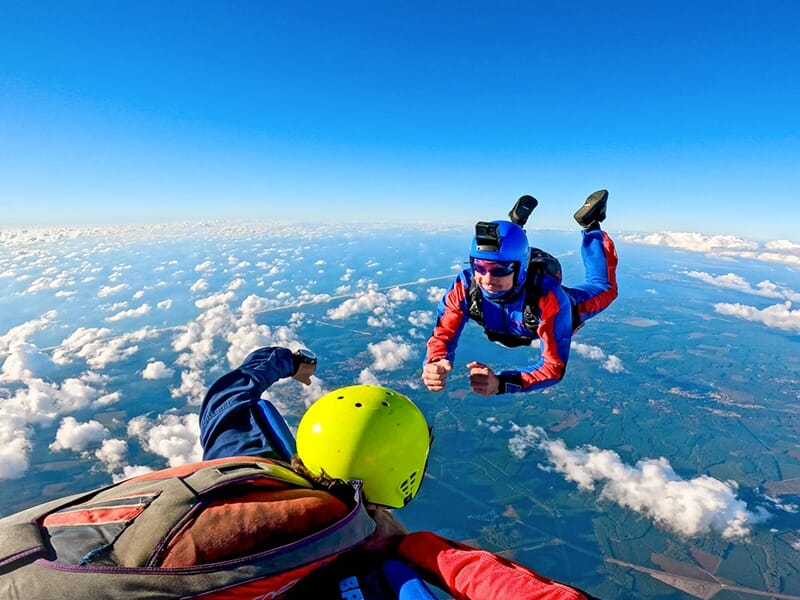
(499, 265)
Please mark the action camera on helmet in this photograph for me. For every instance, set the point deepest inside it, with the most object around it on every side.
(487, 238)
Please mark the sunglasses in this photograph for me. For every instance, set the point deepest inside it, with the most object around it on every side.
(492, 267)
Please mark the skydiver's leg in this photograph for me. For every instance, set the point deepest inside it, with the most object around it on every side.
(600, 265)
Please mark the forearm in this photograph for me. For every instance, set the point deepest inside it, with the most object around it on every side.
(467, 572)
(228, 425)
(451, 316)
(540, 377)
(555, 335)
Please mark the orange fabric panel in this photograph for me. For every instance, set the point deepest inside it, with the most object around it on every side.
(257, 521)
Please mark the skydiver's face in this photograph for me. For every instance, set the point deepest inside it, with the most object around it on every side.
(494, 277)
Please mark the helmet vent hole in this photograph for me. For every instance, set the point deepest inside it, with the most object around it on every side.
(359, 405)
(384, 403)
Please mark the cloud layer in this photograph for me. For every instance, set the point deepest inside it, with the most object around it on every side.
(688, 507)
(778, 251)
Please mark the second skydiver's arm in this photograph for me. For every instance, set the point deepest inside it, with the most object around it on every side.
(451, 315)
(555, 335)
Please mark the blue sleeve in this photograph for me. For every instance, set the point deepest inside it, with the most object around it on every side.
(229, 422)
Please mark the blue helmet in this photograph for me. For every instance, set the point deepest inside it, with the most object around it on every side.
(502, 241)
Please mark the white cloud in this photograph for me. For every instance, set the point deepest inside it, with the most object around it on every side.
(779, 251)
(22, 332)
(783, 246)
(205, 266)
(129, 471)
(236, 284)
(389, 355)
(77, 393)
(383, 320)
(38, 402)
(651, 488)
(610, 362)
(109, 290)
(253, 305)
(421, 318)
(221, 298)
(694, 242)
(777, 316)
(731, 281)
(156, 370)
(25, 361)
(14, 447)
(435, 294)
(98, 347)
(171, 436)
(192, 387)
(363, 302)
(72, 435)
(48, 283)
(127, 314)
(777, 257)
(112, 454)
(201, 285)
(367, 377)
(398, 294)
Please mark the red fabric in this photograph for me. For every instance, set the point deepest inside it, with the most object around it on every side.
(449, 323)
(102, 515)
(262, 520)
(471, 574)
(553, 366)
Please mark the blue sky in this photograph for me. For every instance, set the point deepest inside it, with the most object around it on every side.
(407, 111)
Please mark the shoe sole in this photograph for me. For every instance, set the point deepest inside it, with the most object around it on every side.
(593, 209)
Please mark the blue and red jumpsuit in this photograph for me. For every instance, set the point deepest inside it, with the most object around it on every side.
(230, 426)
(562, 311)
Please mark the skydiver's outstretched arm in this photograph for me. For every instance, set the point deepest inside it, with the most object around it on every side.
(229, 425)
(467, 572)
(555, 334)
(451, 316)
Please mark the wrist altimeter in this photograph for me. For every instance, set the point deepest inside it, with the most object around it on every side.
(303, 356)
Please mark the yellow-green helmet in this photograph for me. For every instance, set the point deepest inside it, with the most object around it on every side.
(370, 433)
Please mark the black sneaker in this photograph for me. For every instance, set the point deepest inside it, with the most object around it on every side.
(593, 211)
